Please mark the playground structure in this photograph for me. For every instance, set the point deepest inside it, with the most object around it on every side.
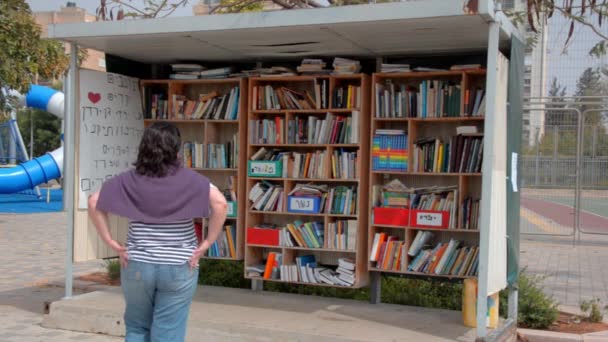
(34, 172)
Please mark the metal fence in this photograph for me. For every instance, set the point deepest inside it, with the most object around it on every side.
(564, 166)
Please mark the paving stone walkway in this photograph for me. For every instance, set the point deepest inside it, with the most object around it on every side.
(32, 251)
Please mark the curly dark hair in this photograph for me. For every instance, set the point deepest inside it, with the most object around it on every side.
(158, 150)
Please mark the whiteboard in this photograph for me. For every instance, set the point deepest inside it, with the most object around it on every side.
(497, 258)
(110, 128)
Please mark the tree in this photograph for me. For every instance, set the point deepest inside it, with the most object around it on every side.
(23, 54)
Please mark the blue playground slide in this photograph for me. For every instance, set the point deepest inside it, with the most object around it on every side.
(42, 169)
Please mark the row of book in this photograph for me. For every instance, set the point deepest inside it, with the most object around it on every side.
(447, 259)
(462, 153)
(427, 99)
(469, 210)
(312, 164)
(192, 154)
(222, 156)
(347, 97)
(333, 129)
(305, 270)
(266, 196)
(269, 98)
(159, 106)
(219, 156)
(225, 245)
(338, 200)
(212, 106)
(390, 150)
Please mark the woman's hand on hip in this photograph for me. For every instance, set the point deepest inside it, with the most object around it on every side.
(122, 253)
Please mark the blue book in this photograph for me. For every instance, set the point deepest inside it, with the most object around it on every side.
(235, 105)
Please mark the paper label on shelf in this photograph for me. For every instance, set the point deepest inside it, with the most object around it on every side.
(302, 203)
(429, 219)
(269, 169)
(514, 171)
(231, 209)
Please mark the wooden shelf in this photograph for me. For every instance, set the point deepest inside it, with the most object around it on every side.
(436, 174)
(468, 184)
(302, 283)
(305, 145)
(305, 111)
(192, 121)
(287, 213)
(304, 248)
(308, 180)
(373, 269)
(453, 230)
(211, 131)
(206, 169)
(254, 255)
(443, 119)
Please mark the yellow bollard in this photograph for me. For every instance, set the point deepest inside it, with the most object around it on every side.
(469, 306)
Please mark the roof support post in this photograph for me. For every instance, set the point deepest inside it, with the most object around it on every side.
(486, 184)
(69, 155)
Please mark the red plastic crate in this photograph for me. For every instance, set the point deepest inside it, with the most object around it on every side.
(430, 219)
(263, 236)
(391, 216)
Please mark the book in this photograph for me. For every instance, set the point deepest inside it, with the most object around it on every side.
(390, 150)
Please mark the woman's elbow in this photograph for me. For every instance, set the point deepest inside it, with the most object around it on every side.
(92, 202)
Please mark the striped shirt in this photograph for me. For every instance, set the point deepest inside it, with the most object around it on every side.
(166, 243)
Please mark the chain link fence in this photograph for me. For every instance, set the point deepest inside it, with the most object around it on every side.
(564, 165)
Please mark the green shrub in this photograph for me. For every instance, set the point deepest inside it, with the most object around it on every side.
(419, 292)
(536, 310)
(226, 273)
(592, 307)
(113, 268)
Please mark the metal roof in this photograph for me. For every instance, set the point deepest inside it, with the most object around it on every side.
(401, 28)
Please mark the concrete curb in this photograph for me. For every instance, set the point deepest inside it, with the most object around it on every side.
(551, 336)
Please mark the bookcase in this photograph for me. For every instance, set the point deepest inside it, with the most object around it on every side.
(211, 117)
(342, 102)
(418, 121)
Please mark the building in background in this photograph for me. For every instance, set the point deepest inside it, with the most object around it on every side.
(71, 13)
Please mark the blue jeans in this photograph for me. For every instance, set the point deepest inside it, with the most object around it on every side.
(158, 299)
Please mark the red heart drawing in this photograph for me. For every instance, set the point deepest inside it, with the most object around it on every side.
(94, 97)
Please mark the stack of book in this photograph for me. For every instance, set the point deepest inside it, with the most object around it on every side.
(224, 246)
(231, 191)
(346, 66)
(347, 97)
(388, 253)
(344, 164)
(390, 150)
(446, 259)
(305, 270)
(310, 66)
(186, 71)
(321, 88)
(342, 200)
(394, 68)
(333, 129)
(192, 154)
(223, 156)
(266, 196)
(217, 73)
